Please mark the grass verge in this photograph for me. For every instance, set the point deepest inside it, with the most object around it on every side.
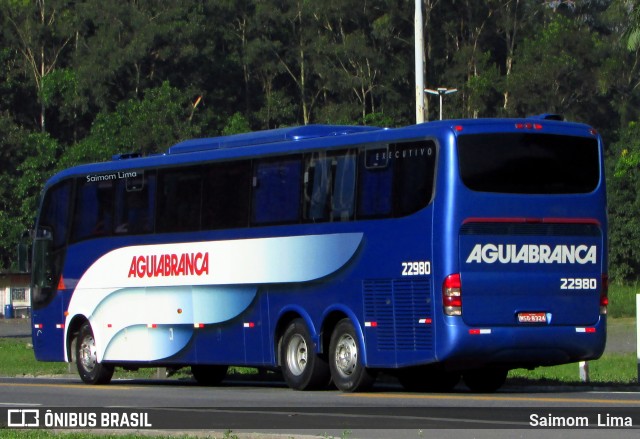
(622, 300)
(17, 359)
(611, 369)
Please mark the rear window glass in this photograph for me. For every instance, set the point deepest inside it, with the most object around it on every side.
(526, 163)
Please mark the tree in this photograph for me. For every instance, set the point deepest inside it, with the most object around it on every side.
(556, 71)
(237, 124)
(41, 32)
(482, 85)
(14, 149)
(354, 51)
(290, 35)
(624, 205)
(633, 30)
(514, 19)
(619, 75)
(145, 126)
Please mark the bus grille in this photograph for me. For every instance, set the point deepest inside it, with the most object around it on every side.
(402, 310)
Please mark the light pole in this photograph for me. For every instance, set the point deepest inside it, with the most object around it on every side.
(419, 61)
(441, 91)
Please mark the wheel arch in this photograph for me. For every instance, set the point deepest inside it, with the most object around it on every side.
(73, 328)
(285, 318)
(330, 321)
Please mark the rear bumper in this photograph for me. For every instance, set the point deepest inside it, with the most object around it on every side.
(464, 347)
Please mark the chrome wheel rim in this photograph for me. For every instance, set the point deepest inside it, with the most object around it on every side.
(297, 354)
(346, 358)
(88, 354)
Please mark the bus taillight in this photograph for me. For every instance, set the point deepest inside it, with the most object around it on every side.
(452, 295)
(528, 126)
(604, 294)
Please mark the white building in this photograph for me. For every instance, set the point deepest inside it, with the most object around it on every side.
(15, 295)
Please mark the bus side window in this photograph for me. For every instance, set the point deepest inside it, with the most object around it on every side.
(226, 195)
(343, 200)
(94, 210)
(414, 175)
(330, 187)
(317, 182)
(375, 187)
(135, 204)
(276, 191)
(179, 200)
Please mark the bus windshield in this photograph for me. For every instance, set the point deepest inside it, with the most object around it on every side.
(526, 163)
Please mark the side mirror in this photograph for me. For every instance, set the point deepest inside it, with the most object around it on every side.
(43, 269)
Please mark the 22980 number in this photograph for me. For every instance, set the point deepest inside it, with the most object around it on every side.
(416, 268)
(571, 283)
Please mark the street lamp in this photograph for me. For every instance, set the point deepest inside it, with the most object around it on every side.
(441, 91)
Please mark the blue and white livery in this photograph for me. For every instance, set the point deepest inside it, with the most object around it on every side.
(436, 252)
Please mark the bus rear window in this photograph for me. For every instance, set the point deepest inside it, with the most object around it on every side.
(527, 163)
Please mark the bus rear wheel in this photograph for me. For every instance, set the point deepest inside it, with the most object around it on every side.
(347, 370)
(89, 369)
(485, 380)
(302, 368)
(209, 375)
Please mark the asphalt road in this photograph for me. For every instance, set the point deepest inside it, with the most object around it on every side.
(386, 412)
(275, 411)
(15, 327)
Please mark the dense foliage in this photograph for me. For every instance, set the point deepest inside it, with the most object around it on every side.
(81, 80)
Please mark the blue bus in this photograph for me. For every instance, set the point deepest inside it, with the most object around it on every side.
(443, 251)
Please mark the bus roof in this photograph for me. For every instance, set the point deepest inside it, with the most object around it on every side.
(267, 136)
(311, 136)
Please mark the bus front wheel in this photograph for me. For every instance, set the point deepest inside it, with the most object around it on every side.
(302, 368)
(89, 369)
(347, 370)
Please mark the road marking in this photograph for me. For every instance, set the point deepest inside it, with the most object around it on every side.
(13, 404)
(491, 398)
(66, 386)
(324, 414)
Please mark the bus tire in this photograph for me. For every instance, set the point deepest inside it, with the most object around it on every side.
(345, 360)
(89, 369)
(302, 369)
(485, 380)
(209, 375)
(426, 379)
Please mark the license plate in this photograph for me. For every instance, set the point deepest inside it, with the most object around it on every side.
(532, 317)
